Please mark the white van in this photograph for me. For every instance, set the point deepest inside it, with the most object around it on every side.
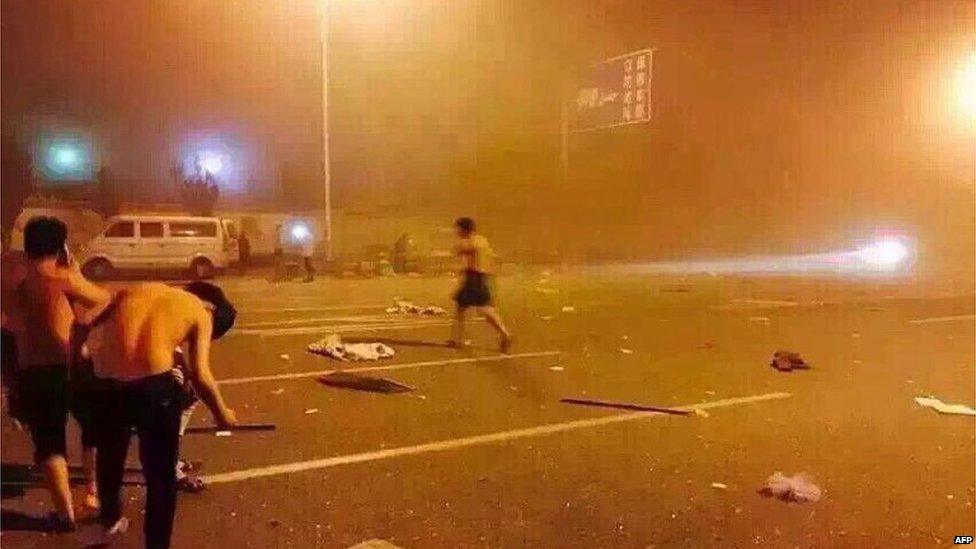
(199, 245)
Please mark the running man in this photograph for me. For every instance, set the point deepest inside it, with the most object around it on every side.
(475, 254)
(131, 347)
(38, 291)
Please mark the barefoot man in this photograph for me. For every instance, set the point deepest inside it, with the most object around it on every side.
(38, 290)
(475, 254)
(131, 346)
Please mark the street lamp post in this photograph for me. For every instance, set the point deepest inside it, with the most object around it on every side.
(326, 167)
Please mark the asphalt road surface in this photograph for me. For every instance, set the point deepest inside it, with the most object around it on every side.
(482, 453)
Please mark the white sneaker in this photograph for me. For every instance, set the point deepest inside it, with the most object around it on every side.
(99, 536)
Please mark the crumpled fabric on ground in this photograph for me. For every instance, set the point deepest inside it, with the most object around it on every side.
(799, 487)
(943, 408)
(409, 308)
(333, 347)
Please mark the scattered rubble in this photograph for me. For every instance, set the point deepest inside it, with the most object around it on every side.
(311, 411)
(626, 351)
(798, 488)
(568, 309)
(720, 486)
(409, 308)
(787, 361)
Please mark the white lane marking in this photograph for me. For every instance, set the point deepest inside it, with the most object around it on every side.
(451, 444)
(406, 365)
(375, 544)
(747, 304)
(329, 329)
(294, 321)
(244, 310)
(941, 319)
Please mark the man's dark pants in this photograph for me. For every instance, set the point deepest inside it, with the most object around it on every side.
(152, 405)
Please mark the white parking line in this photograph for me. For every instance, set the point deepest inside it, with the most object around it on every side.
(407, 365)
(295, 321)
(244, 310)
(451, 444)
(330, 329)
(933, 320)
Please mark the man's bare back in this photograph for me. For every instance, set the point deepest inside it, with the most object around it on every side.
(145, 324)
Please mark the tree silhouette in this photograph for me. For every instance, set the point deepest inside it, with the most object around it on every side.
(199, 192)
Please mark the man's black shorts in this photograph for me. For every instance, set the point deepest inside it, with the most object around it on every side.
(45, 401)
(474, 290)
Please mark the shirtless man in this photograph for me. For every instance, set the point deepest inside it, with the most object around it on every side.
(131, 347)
(38, 291)
(475, 254)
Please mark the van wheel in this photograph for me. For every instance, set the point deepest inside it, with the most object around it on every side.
(201, 269)
(98, 269)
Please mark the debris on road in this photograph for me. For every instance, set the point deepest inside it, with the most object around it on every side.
(626, 351)
(720, 486)
(759, 319)
(222, 433)
(311, 411)
(568, 309)
(346, 380)
(787, 361)
(798, 488)
(333, 347)
(675, 289)
(625, 406)
(556, 368)
(284, 356)
(278, 391)
(943, 408)
(238, 427)
(409, 308)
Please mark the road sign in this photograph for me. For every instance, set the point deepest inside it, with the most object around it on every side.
(615, 92)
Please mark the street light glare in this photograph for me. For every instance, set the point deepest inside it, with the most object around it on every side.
(211, 163)
(886, 253)
(967, 87)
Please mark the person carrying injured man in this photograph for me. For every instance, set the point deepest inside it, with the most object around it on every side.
(131, 347)
(475, 254)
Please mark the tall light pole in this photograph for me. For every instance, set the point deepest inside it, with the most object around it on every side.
(326, 164)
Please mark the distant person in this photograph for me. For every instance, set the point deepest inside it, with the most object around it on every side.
(308, 250)
(277, 243)
(279, 255)
(39, 289)
(403, 251)
(475, 255)
(131, 348)
(243, 251)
